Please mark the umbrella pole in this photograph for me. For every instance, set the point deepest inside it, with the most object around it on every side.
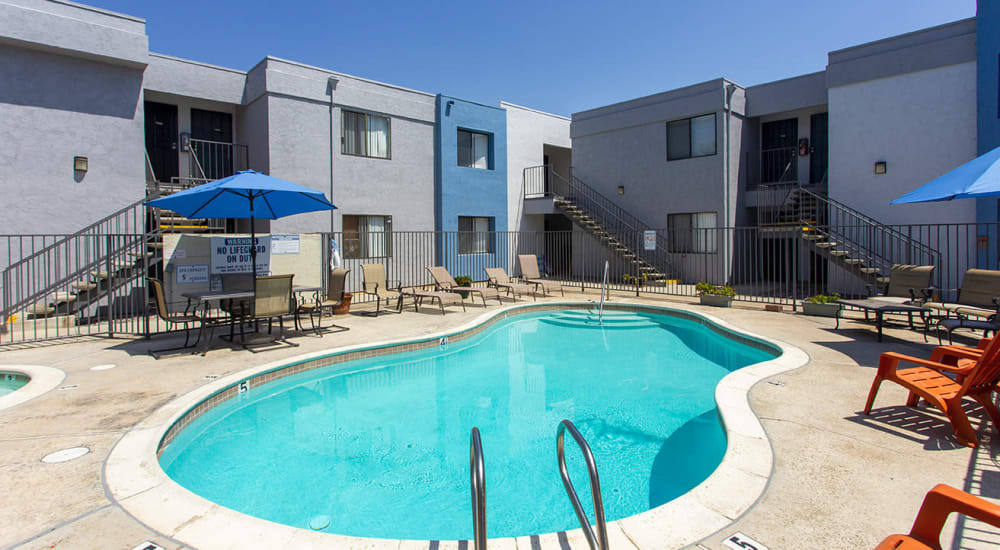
(253, 254)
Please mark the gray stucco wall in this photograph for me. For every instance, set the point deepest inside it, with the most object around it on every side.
(52, 108)
(922, 124)
(74, 29)
(299, 126)
(186, 78)
(528, 131)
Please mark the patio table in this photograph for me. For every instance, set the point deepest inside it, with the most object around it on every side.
(880, 308)
(205, 299)
(304, 289)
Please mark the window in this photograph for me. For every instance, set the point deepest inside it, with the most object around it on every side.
(473, 149)
(474, 235)
(367, 237)
(365, 135)
(692, 232)
(691, 137)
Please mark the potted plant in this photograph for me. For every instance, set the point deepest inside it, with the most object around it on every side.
(630, 279)
(822, 305)
(715, 295)
(463, 280)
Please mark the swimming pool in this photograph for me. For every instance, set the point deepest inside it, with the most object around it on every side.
(12, 381)
(380, 445)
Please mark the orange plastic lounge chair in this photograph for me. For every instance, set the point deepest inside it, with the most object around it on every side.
(530, 274)
(928, 381)
(499, 279)
(939, 503)
(444, 281)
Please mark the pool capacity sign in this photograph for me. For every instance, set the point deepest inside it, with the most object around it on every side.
(232, 255)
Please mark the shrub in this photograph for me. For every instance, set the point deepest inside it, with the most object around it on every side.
(823, 299)
(715, 290)
(463, 280)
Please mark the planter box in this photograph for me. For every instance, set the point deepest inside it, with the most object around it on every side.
(821, 310)
(715, 300)
(344, 306)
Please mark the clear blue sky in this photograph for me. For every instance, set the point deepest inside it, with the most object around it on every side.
(560, 57)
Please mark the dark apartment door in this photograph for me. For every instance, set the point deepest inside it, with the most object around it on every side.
(212, 132)
(778, 160)
(161, 139)
(819, 161)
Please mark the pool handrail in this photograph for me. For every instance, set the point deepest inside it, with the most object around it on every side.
(604, 288)
(477, 472)
(600, 541)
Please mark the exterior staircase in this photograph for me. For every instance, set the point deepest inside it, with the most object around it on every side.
(619, 231)
(857, 243)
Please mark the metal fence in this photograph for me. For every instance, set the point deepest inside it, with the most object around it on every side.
(47, 292)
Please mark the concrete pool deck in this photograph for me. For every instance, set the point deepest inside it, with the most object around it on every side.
(839, 480)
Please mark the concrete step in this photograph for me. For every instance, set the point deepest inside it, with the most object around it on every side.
(869, 270)
(838, 253)
(853, 261)
(826, 244)
(83, 286)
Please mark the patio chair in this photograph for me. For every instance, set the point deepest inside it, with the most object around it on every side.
(375, 284)
(186, 319)
(939, 503)
(907, 283)
(928, 381)
(978, 297)
(530, 274)
(334, 297)
(273, 299)
(498, 279)
(444, 281)
(443, 298)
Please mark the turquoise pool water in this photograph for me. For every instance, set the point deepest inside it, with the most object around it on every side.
(11, 381)
(381, 445)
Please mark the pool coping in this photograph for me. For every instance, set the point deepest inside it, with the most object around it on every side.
(136, 482)
(42, 379)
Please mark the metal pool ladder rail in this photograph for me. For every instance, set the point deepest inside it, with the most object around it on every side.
(600, 541)
(478, 473)
(604, 288)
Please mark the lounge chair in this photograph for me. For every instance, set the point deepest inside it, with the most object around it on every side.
(334, 297)
(907, 283)
(498, 279)
(186, 319)
(939, 503)
(443, 298)
(376, 285)
(928, 381)
(273, 299)
(444, 281)
(978, 297)
(530, 274)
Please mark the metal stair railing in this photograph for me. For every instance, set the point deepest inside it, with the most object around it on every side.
(72, 258)
(626, 228)
(869, 239)
(600, 540)
(477, 473)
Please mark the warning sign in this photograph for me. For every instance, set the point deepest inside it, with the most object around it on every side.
(232, 255)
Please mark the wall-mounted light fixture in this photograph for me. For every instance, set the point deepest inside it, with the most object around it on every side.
(621, 189)
(880, 167)
(80, 164)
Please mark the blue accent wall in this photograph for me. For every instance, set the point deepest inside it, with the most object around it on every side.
(473, 192)
(987, 92)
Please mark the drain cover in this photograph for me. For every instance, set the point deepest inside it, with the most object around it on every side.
(211, 376)
(69, 387)
(109, 366)
(319, 522)
(65, 455)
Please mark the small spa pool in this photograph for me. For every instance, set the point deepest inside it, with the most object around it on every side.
(380, 446)
(12, 381)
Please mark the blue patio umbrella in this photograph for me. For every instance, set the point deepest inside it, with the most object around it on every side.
(980, 177)
(246, 194)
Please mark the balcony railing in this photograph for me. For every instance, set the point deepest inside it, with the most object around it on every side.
(212, 160)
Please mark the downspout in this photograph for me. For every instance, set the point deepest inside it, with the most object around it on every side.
(333, 138)
(730, 90)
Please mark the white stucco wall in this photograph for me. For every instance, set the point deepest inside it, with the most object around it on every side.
(528, 132)
(922, 124)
